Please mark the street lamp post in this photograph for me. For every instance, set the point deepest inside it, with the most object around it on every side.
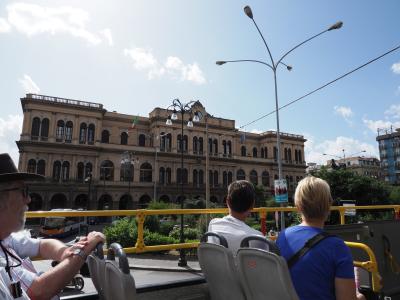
(128, 161)
(273, 65)
(183, 108)
(88, 180)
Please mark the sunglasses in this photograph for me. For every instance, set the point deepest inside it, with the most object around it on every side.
(24, 190)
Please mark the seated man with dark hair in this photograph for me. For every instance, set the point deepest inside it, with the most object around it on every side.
(240, 201)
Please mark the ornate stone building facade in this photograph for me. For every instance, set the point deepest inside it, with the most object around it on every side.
(96, 159)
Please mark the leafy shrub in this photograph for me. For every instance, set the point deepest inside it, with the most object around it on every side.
(152, 223)
(166, 227)
(155, 238)
(123, 231)
(188, 233)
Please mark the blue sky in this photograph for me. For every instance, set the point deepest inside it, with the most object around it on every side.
(134, 55)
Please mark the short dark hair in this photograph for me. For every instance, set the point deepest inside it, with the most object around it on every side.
(241, 195)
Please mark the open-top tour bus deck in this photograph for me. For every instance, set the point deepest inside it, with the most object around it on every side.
(375, 247)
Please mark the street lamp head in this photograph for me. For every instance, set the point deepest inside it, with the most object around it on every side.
(220, 62)
(174, 115)
(190, 123)
(168, 122)
(337, 25)
(248, 12)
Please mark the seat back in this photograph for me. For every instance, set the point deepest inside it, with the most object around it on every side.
(96, 264)
(270, 245)
(119, 284)
(263, 274)
(218, 266)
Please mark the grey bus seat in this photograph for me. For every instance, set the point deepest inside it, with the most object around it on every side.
(97, 264)
(218, 266)
(119, 283)
(272, 247)
(264, 274)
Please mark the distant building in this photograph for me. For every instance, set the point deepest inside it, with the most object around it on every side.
(366, 166)
(96, 159)
(312, 167)
(389, 151)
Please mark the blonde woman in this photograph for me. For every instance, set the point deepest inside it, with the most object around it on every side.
(326, 270)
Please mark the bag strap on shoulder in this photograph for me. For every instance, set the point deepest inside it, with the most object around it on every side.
(307, 246)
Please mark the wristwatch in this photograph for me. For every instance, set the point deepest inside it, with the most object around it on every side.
(80, 253)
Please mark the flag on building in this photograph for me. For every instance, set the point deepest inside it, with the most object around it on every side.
(135, 120)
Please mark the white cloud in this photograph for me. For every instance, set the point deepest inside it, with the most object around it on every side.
(32, 19)
(380, 124)
(174, 67)
(396, 68)
(10, 129)
(314, 152)
(256, 131)
(393, 111)
(108, 36)
(343, 111)
(4, 26)
(29, 85)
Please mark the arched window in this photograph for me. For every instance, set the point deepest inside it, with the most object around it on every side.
(146, 172)
(163, 140)
(265, 178)
(243, 151)
(105, 137)
(44, 129)
(195, 145)
(91, 130)
(162, 175)
(285, 154)
(215, 144)
(41, 167)
(185, 143)
(275, 153)
(224, 147)
(229, 146)
(124, 138)
(254, 152)
(60, 131)
(35, 129)
(65, 171)
(142, 140)
(31, 166)
(216, 181)
(210, 178)
(126, 171)
(82, 133)
(200, 145)
(210, 147)
(224, 178)
(80, 171)
(254, 177)
(201, 177)
(107, 170)
(195, 178)
(181, 176)
(168, 142)
(290, 154)
(262, 152)
(265, 152)
(240, 175)
(168, 175)
(300, 157)
(68, 132)
(88, 169)
(56, 170)
(229, 177)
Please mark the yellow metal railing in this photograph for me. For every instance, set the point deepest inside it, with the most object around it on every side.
(140, 215)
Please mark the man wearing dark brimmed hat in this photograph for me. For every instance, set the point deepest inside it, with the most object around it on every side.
(18, 278)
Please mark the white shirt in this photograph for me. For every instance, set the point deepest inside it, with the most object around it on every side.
(234, 231)
(23, 247)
